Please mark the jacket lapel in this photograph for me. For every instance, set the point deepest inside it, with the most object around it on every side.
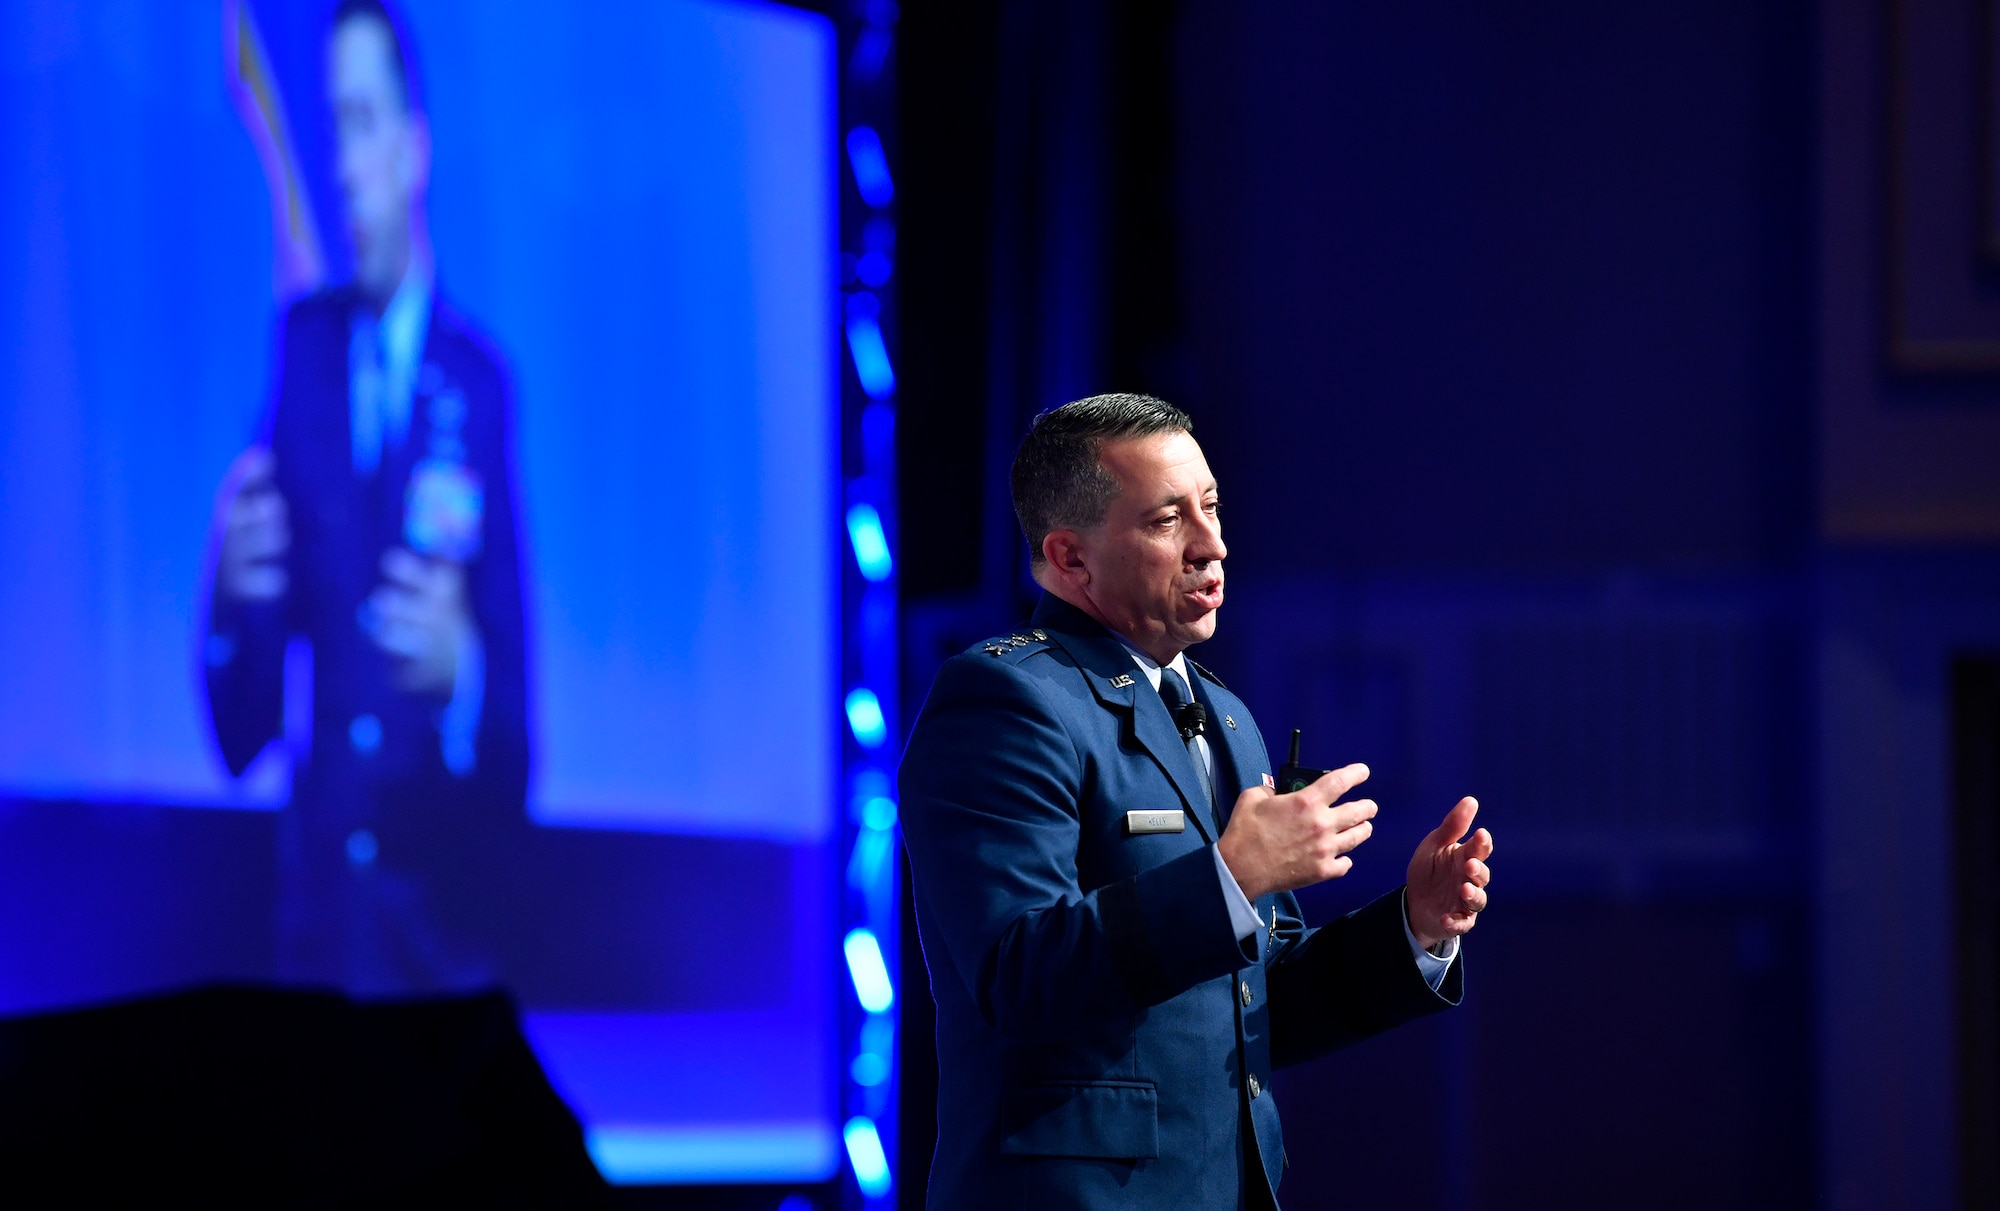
(1238, 765)
(1116, 679)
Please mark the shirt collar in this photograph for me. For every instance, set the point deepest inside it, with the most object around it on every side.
(1178, 664)
(406, 320)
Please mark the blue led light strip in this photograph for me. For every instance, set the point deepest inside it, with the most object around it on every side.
(870, 922)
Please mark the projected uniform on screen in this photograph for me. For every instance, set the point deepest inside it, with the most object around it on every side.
(376, 524)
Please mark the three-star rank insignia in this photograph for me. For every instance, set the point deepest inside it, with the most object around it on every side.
(1000, 647)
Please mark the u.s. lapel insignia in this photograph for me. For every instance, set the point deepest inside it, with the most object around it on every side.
(1231, 721)
(1121, 681)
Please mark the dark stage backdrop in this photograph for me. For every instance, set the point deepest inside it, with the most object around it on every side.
(1542, 353)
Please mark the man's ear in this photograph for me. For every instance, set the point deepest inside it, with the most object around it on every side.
(1063, 552)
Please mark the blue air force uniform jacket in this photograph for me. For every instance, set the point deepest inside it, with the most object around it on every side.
(1104, 1040)
(389, 858)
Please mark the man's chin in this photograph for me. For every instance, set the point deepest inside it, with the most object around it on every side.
(1199, 628)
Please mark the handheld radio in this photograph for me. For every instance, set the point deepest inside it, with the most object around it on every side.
(1291, 775)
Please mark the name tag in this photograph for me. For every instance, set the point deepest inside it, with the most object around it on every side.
(1155, 822)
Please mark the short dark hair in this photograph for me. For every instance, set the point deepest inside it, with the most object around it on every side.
(1058, 482)
(400, 56)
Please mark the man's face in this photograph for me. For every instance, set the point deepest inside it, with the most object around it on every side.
(1155, 564)
(382, 158)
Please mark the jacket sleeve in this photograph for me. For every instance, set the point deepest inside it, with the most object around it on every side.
(242, 644)
(497, 585)
(1348, 979)
(993, 788)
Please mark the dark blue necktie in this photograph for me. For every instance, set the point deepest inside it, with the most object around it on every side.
(1189, 718)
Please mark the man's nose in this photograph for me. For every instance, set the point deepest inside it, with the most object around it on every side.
(1207, 546)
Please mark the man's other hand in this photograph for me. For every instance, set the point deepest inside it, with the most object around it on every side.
(256, 531)
(419, 616)
(1448, 877)
(1282, 842)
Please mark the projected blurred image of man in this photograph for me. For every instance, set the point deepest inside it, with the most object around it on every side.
(374, 525)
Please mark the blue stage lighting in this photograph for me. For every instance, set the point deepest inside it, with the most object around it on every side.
(864, 1152)
(865, 867)
(878, 1034)
(871, 547)
(864, 341)
(871, 167)
(870, 973)
(879, 812)
(868, 784)
(872, 1063)
(869, 1069)
(864, 715)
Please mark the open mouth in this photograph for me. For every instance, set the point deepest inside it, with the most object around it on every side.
(1208, 595)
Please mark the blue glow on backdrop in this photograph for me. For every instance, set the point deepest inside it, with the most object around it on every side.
(636, 204)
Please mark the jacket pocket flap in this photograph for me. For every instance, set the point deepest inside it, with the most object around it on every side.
(1112, 1119)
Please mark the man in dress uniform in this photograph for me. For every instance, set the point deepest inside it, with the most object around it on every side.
(1104, 870)
(375, 521)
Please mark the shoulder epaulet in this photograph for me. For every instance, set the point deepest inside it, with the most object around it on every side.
(1017, 643)
(1206, 673)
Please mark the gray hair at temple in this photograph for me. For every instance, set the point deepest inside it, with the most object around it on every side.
(1058, 482)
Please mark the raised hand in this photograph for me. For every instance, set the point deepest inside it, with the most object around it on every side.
(1280, 842)
(256, 531)
(1448, 877)
(419, 615)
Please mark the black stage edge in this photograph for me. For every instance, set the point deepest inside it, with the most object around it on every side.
(824, 1196)
(245, 1094)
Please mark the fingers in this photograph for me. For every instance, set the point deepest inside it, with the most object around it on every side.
(256, 533)
(1347, 815)
(1335, 783)
(1481, 845)
(1347, 840)
(1279, 842)
(1456, 822)
(405, 569)
(252, 470)
(1477, 873)
(395, 606)
(252, 509)
(400, 638)
(259, 582)
(438, 581)
(259, 527)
